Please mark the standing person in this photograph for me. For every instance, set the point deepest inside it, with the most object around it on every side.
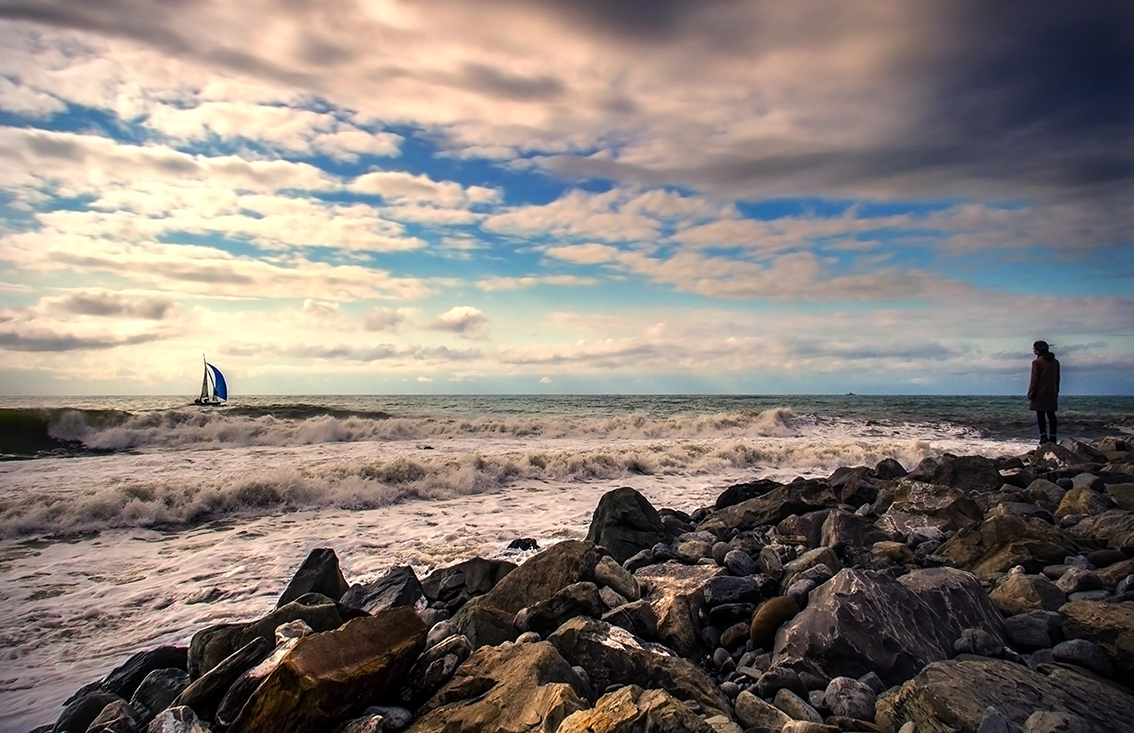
(1043, 390)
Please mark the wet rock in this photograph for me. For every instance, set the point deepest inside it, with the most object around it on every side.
(334, 675)
(126, 677)
(117, 717)
(398, 587)
(738, 493)
(624, 522)
(969, 474)
(206, 691)
(516, 687)
(158, 691)
(320, 573)
(861, 621)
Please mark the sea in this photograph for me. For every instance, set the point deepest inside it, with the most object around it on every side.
(132, 522)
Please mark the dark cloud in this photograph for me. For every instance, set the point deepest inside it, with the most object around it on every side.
(495, 83)
(112, 305)
(345, 352)
(13, 340)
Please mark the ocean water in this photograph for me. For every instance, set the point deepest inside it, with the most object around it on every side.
(129, 522)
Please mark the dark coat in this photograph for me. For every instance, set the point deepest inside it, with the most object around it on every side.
(1043, 390)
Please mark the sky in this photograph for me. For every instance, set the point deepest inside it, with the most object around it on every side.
(565, 196)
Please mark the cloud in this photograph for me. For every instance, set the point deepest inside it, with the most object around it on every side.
(320, 308)
(104, 304)
(464, 320)
(386, 319)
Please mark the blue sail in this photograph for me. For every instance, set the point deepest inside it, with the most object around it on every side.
(220, 388)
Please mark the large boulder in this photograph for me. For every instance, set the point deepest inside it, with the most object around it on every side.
(738, 493)
(542, 576)
(611, 655)
(1021, 593)
(515, 688)
(1114, 528)
(320, 573)
(798, 497)
(953, 696)
(625, 523)
(1082, 500)
(1000, 543)
(398, 587)
(970, 474)
(1110, 625)
(458, 583)
(124, 679)
(211, 645)
(676, 594)
(918, 504)
(631, 709)
(330, 676)
(862, 621)
(845, 528)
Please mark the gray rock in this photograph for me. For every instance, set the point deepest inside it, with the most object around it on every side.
(78, 714)
(979, 642)
(1076, 580)
(731, 589)
(393, 717)
(1034, 630)
(851, 698)
(752, 712)
(117, 717)
(609, 573)
(800, 591)
(1084, 653)
(874, 682)
(367, 723)
(206, 692)
(912, 621)
(1043, 721)
(808, 560)
(637, 617)
(995, 721)
(740, 563)
(398, 587)
(177, 720)
(435, 667)
(158, 691)
(780, 678)
(795, 707)
(458, 583)
(319, 573)
(610, 597)
(624, 522)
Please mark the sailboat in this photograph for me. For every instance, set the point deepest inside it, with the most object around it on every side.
(214, 390)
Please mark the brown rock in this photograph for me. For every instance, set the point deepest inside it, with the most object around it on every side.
(771, 614)
(542, 576)
(334, 675)
(1082, 500)
(1108, 624)
(630, 709)
(1000, 543)
(1122, 495)
(1021, 593)
(676, 592)
(1114, 528)
(773, 507)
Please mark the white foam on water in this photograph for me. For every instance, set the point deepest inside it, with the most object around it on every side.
(192, 533)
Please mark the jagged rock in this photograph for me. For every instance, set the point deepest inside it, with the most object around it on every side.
(334, 675)
(769, 617)
(1082, 500)
(211, 645)
(577, 599)
(1114, 574)
(1122, 495)
(1114, 528)
(124, 679)
(517, 688)
(919, 504)
(970, 474)
(808, 560)
(738, 493)
(484, 626)
(458, 583)
(808, 525)
(177, 720)
(844, 528)
(1110, 625)
(1076, 580)
(637, 617)
(158, 691)
(676, 594)
(398, 587)
(1022, 509)
(610, 598)
(206, 691)
(954, 695)
(608, 572)
(612, 655)
(320, 573)
(1044, 721)
(1046, 491)
(1000, 543)
(624, 522)
(81, 711)
(752, 712)
(631, 709)
(367, 723)
(434, 668)
(1022, 593)
(117, 717)
(542, 576)
(847, 697)
(241, 690)
(1082, 452)
(798, 497)
(1034, 630)
(862, 621)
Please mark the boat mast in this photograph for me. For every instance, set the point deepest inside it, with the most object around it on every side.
(204, 379)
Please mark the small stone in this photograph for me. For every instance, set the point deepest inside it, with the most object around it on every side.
(1078, 579)
(740, 563)
(795, 706)
(978, 641)
(850, 698)
(780, 678)
(799, 591)
(752, 712)
(730, 689)
(874, 682)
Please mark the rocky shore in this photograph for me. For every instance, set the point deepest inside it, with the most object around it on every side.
(967, 594)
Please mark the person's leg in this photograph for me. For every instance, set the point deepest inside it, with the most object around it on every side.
(1041, 420)
(1051, 426)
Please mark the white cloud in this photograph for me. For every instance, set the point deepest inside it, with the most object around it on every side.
(464, 320)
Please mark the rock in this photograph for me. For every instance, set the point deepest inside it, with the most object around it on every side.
(117, 717)
(738, 493)
(484, 626)
(610, 598)
(319, 573)
(1082, 500)
(740, 563)
(577, 599)
(896, 552)
(752, 712)
(771, 508)
(1000, 543)
(995, 721)
(969, 474)
(398, 587)
(206, 691)
(769, 617)
(436, 667)
(211, 645)
(542, 576)
(177, 720)
(731, 589)
(608, 572)
(850, 698)
(1110, 625)
(124, 679)
(919, 504)
(780, 678)
(676, 594)
(1046, 491)
(1084, 653)
(795, 707)
(630, 709)
(334, 675)
(368, 723)
(979, 642)
(1022, 593)
(238, 693)
(888, 469)
(81, 711)
(1122, 495)
(158, 691)
(611, 655)
(808, 560)
(637, 617)
(1043, 721)
(1034, 630)
(954, 695)
(1076, 580)
(1022, 509)
(1114, 528)
(1105, 558)
(844, 528)
(518, 688)
(624, 522)
(862, 621)
(808, 525)
(458, 583)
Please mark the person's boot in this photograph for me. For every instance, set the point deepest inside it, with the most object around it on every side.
(1044, 439)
